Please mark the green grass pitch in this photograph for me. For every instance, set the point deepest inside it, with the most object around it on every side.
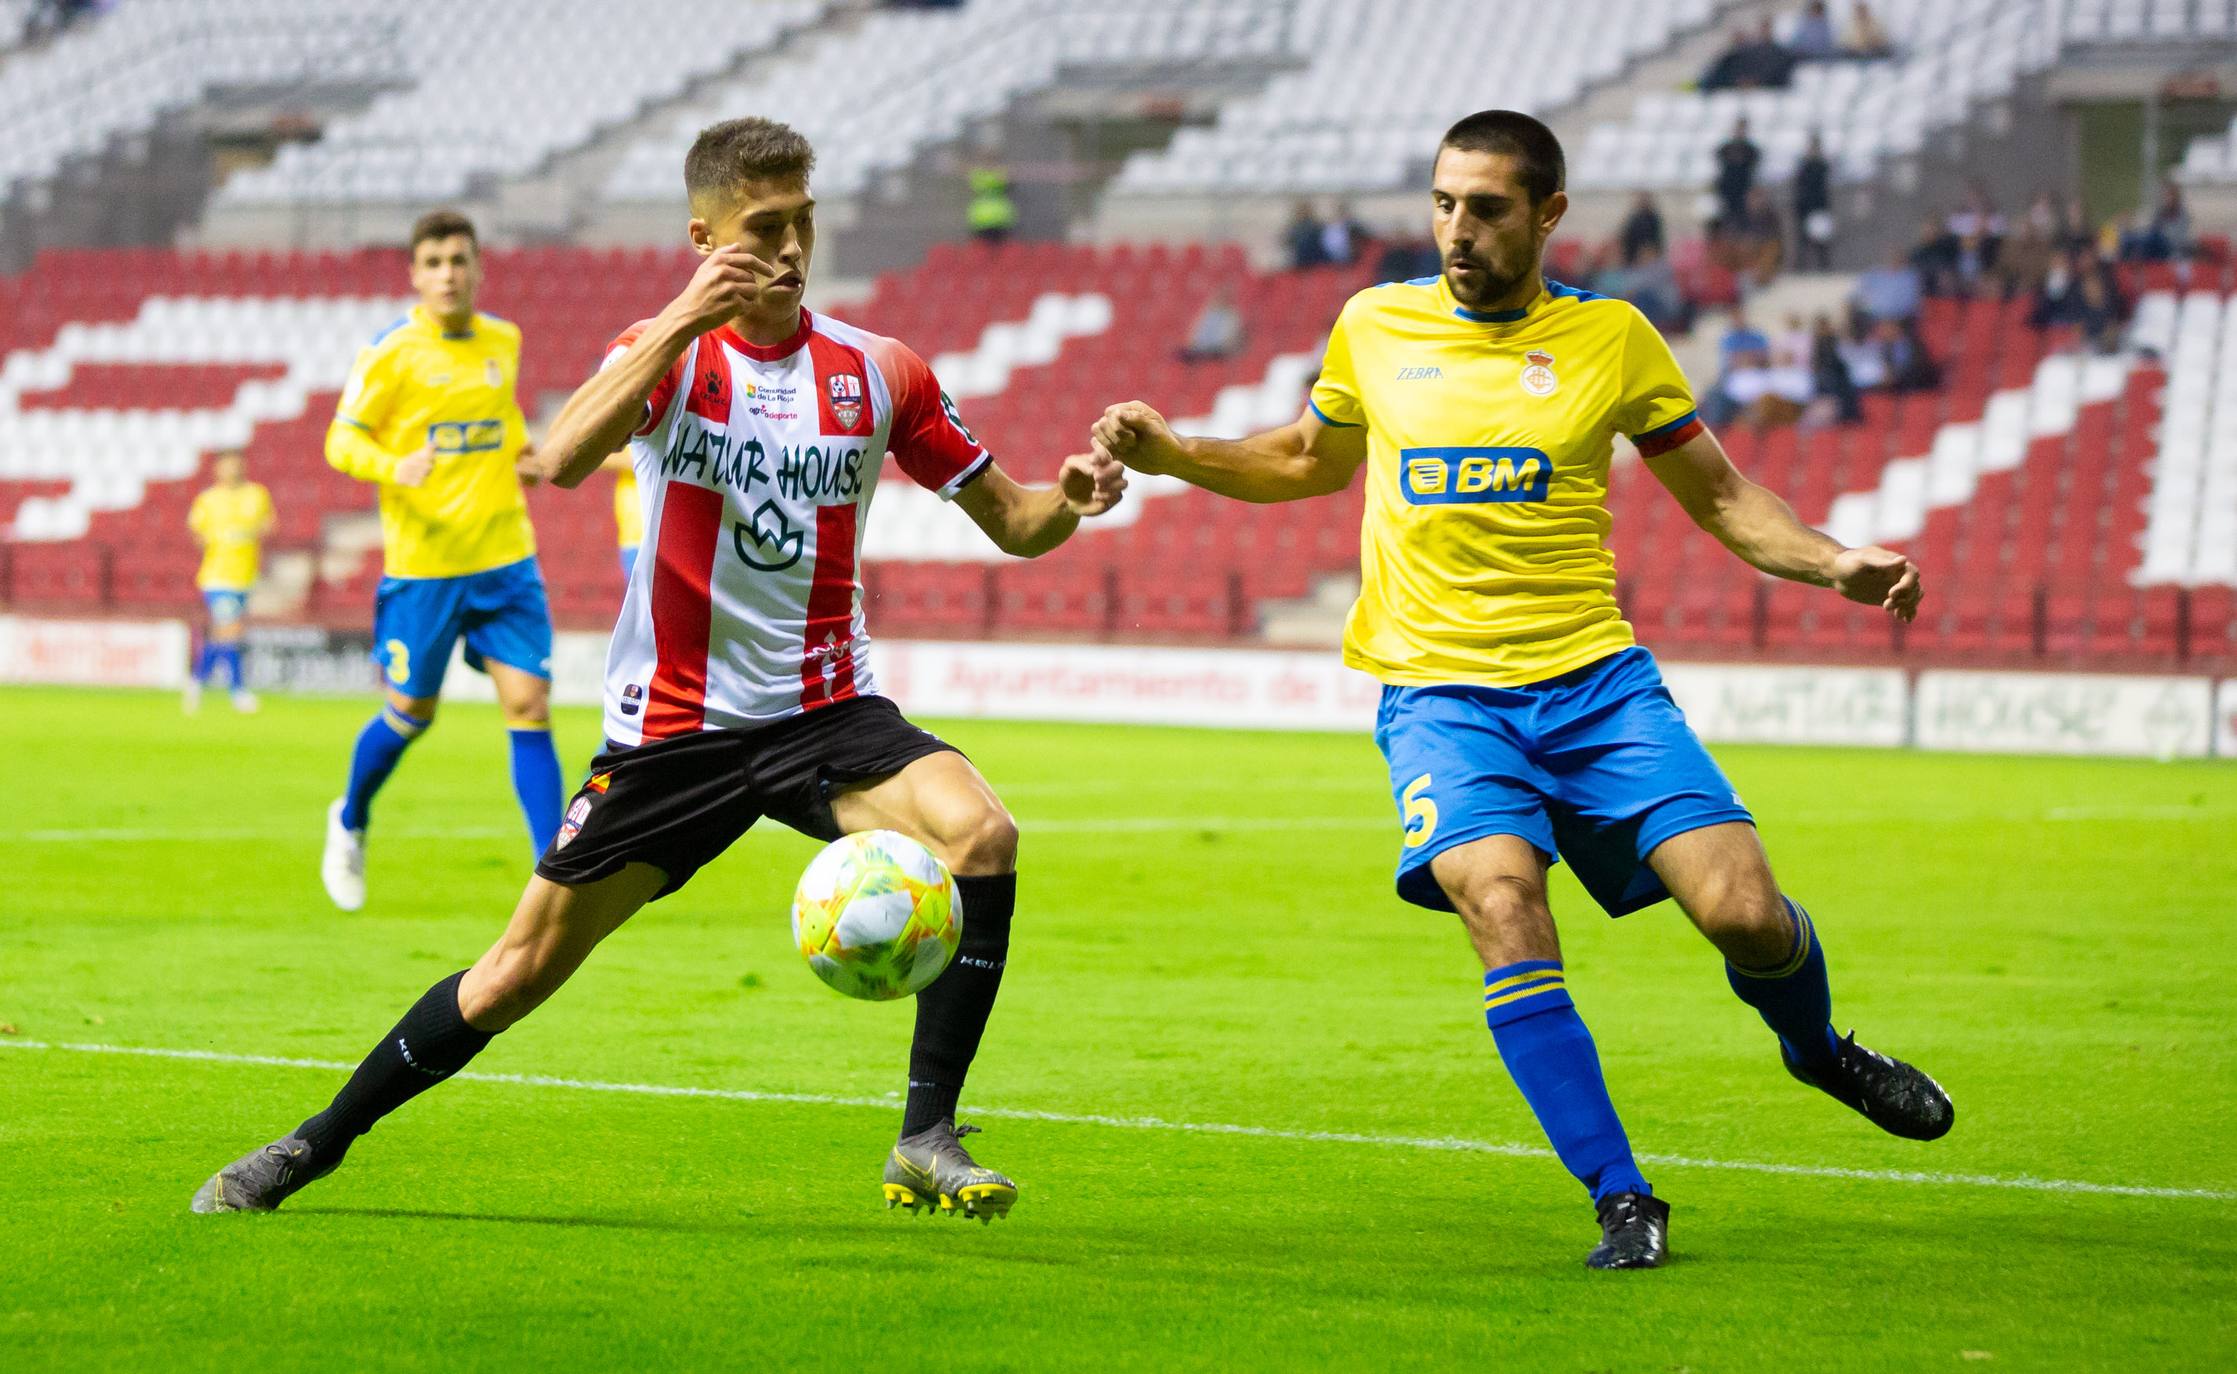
(1206, 937)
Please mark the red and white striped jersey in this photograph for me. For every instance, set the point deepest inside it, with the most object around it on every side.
(756, 464)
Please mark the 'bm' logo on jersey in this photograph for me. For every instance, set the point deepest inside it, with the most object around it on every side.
(1457, 476)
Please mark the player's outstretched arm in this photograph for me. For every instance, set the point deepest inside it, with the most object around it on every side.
(608, 408)
(1763, 530)
(1026, 522)
(1301, 459)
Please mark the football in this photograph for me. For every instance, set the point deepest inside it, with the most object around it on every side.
(876, 916)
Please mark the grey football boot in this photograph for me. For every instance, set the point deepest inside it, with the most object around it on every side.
(932, 1168)
(260, 1180)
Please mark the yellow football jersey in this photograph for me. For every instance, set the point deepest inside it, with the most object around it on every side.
(629, 512)
(231, 521)
(415, 387)
(1484, 552)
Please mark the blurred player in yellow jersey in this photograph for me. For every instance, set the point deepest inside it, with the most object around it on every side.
(1521, 722)
(430, 415)
(629, 511)
(229, 519)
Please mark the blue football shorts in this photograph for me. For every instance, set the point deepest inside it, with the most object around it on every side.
(1596, 767)
(226, 606)
(502, 613)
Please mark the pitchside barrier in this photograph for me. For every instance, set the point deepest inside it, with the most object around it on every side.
(2146, 716)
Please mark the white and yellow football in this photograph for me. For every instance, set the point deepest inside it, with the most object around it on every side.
(876, 916)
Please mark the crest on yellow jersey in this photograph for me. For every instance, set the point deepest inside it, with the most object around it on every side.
(1537, 373)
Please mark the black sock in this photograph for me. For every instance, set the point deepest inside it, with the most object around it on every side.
(430, 1044)
(951, 1014)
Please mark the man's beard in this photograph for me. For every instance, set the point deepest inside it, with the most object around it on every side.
(1490, 286)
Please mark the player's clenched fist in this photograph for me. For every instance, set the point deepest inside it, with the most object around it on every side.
(1092, 483)
(1878, 577)
(1137, 436)
(727, 282)
(413, 469)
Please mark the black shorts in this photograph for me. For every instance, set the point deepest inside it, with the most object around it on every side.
(677, 803)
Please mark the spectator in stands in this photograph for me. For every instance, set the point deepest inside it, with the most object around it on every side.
(1740, 338)
(1404, 258)
(1833, 391)
(1910, 367)
(1717, 76)
(1218, 331)
(1978, 228)
(1934, 257)
(1865, 36)
(51, 17)
(2078, 233)
(1754, 245)
(1861, 353)
(1737, 160)
(2058, 296)
(1813, 207)
(1812, 39)
(1650, 283)
(1891, 291)
(992, 214)
(1343, 236)
(1304, 237)
(1642, 230)
(2099, 314)
(2163, 237)
(2025, 258)
(1766, 389)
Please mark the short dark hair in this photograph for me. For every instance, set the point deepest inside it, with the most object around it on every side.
(736, 151)
(442, 224)
(1514, 134)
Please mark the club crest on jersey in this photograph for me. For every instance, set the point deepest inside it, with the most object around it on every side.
(846, 399)
(573, 825)
(1537, 373)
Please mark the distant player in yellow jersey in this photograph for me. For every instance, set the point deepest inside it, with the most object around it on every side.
(429, 415)
(629, 511)
(229, 519)
(1521, 722)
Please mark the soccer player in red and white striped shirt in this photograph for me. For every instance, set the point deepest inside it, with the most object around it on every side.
(739, 682)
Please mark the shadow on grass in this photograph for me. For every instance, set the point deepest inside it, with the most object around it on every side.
(515, 1219)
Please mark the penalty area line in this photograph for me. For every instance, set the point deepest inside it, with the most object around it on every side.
(1444, 1144)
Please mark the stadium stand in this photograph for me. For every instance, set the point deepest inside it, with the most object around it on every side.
(871, 98)
(1381, 83)
(493, 87)
(117, 74)
(1948, 59)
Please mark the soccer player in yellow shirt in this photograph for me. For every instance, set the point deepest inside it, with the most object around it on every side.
(1521, 721)
(629, 511)
(229, 519)
(429, 415)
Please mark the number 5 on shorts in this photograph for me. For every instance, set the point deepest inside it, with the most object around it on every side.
(1420, 812)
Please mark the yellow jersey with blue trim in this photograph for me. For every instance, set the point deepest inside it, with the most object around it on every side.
(417, 385)
(1484, 551)
(231, 522)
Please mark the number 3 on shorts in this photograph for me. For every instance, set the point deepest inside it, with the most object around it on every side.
(400, 663)
(1420, 812)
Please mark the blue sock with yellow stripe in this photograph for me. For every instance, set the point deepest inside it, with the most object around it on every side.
(1793, 997)
(536, 781)
(1550, 1055)
(379, 745)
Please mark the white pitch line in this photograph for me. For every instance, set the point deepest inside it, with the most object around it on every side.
(1076, 826)
(1449, 1144)
(1112, 825)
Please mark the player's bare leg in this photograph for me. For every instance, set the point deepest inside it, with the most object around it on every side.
(1498, 885)
(553, 929)
(525, 700)
(1721, 877)
(942, 802)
